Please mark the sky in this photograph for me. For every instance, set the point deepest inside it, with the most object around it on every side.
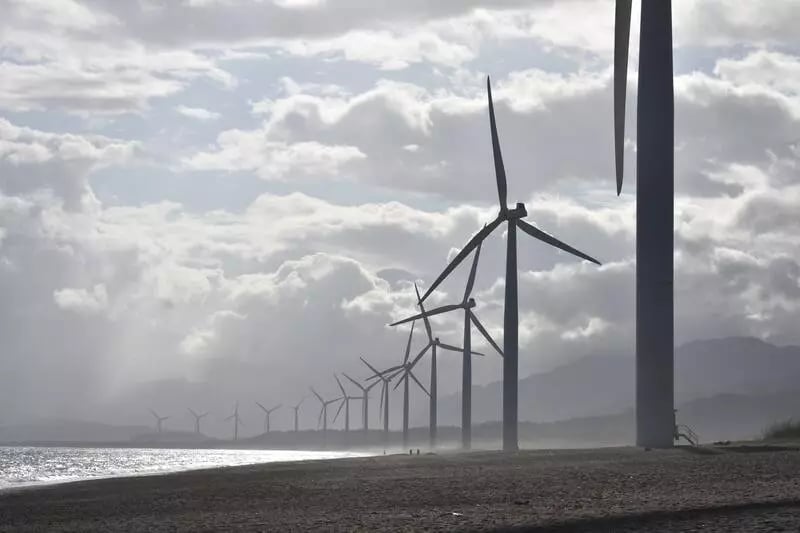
(242, 192)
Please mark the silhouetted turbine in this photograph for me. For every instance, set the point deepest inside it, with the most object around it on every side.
(346, 404)
(267, 414)
(467, 305)
(655, 192)
(405, 371)
(433, 343)
(297, 414)
(159, 420)
(364, 399)
(236, 421)
(197, 418)
(513, 217)
(323, 414)
(385, 378)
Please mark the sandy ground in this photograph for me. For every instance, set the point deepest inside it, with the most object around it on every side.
(580, 490)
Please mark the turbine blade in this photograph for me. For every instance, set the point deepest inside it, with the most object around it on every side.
(424, 315)
(319, 418)
(276, 407)
(419, 355)
(317, 395)
(383, 393)
(340, 385)
(193, 413)
(499, 168)
(473, 242)
(432, 312)
(154, 413)
(341, 405)
(354, 382)
(472, 272)
(552, 241)
(262, 407)
(408, 346)
(370, 366)
(485, 333)
(421, 386)
(622, 33)
(451, 347)
(399, 381)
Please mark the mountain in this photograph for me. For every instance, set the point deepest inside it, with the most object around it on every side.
(603, 384)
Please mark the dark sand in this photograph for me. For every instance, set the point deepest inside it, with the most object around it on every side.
(581, 490)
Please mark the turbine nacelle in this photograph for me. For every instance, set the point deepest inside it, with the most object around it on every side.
(514, 214)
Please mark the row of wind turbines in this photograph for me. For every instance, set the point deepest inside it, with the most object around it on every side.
(403, 372)
(654, 258)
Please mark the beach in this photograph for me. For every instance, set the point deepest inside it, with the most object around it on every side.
(619, 489)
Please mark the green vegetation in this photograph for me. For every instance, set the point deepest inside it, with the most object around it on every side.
(787, 429)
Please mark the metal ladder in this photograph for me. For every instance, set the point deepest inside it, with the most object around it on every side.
(685, 432)
(682, 431)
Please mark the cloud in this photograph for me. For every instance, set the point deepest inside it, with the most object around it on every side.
(197, 113)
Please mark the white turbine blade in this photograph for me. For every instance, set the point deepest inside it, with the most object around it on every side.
(485, 333)
(341, 405)
(622, 33)
(472, 272)
(421, 386)
(552, 241)
(419, 355)
(354, 382)
(473, 242)
(408, 346)
(317, 395)
(432, 312)
(424, 315)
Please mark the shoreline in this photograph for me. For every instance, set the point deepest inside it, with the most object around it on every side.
(36, 485)
(555, 490)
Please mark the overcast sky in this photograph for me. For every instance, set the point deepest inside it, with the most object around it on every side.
(192, 189)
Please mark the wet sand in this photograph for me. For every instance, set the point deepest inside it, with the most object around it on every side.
(579, 490)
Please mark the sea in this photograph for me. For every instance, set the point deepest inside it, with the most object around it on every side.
(29, 466)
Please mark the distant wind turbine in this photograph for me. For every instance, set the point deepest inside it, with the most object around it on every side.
(433, 343)
(345, 404)
(405, 369)
(384, 378)
(364, 399)
(159, 420)
(267, 413)
(197, 418)
(513, 218)
(467, 304)
(236, 421)
(296, 408)
(323, 414)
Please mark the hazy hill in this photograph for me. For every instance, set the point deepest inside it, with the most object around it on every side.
(604, 384)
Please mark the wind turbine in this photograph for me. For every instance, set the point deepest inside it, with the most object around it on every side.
(467, 304)
(346, 404)
(655, 208)
(236, 421)
(267, 413)
(197, 418)
(433, 343)
(323, 414)
(405, 370)
(364, 399)
(159, 420)
(385, 378)
(511, 319)
(297, 413)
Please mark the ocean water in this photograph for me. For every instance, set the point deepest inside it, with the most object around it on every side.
(23, 466)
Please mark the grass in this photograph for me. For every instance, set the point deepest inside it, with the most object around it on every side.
(787, 429)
